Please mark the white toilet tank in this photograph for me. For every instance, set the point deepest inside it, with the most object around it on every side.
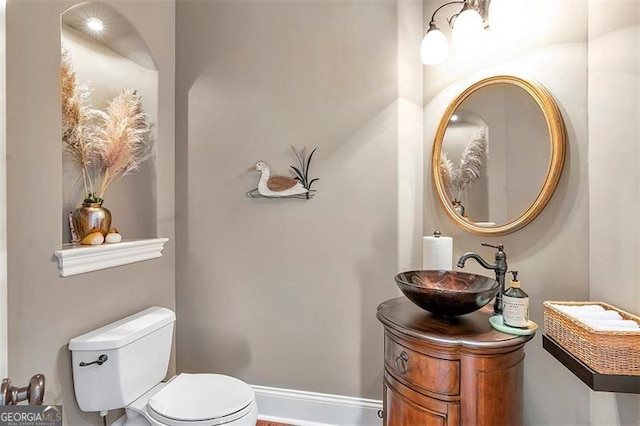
(137, 349)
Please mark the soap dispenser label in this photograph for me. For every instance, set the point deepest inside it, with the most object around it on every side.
(515, 311)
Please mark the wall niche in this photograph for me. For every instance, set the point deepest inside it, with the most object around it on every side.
(108, 61)
(106, 55)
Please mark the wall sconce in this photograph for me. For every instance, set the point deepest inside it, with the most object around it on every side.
(466, 26)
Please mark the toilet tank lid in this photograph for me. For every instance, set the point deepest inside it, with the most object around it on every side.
(124, 331)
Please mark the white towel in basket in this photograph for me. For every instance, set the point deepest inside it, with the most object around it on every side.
(589, 312)
(579, 308)
(612, 325)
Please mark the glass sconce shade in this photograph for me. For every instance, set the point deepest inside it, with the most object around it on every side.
(498, 13)
(434, 48)
(467, 27)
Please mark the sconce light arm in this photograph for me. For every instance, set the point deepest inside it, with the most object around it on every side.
(433, 17)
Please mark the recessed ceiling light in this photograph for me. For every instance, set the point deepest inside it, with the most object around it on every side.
(94, 24)
(454, 117)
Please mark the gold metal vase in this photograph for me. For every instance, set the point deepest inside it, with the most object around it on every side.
(457, 205)
(89, 217)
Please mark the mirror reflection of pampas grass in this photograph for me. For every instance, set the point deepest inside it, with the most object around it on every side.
(457, 178)
(105, 145)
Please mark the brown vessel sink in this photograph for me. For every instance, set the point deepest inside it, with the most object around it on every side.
(447, 293)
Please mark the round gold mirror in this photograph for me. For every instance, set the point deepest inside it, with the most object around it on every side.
(498, 155)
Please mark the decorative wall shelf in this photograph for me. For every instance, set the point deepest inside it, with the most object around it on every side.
(74, 259)
(593, 379)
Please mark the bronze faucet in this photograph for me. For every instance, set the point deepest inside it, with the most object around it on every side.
(500, 268)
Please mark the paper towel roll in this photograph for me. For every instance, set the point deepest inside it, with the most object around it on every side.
(437, 253)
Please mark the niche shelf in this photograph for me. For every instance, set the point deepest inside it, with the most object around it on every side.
(74, 259)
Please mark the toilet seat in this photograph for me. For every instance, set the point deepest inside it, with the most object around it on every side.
(201, 399)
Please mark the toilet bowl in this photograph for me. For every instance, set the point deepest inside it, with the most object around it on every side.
(195, 400)
(122, 364)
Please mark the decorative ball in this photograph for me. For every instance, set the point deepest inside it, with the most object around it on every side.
(113, 236)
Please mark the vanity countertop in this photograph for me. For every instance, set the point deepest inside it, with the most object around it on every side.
(470, 331)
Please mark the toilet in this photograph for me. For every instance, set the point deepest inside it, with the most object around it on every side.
(122, 365)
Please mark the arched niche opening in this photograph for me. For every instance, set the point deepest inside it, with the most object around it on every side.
(108, 61)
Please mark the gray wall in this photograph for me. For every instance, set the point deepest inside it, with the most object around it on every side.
(45, 311)
(614, 177)
(284, 292)
(552, 253)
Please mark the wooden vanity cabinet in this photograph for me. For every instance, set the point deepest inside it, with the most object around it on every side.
(449, 371)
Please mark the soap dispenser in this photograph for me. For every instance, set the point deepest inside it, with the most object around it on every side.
(515, 305)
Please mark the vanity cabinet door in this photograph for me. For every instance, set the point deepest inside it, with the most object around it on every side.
(493, 386)
(403, 407)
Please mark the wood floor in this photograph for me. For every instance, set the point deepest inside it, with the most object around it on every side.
(264, 423)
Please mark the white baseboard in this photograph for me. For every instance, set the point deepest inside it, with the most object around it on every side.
(315, 409)
(302, 408)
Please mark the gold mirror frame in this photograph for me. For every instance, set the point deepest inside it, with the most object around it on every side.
(556, 130)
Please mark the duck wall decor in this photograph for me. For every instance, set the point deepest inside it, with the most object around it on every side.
(276, 186)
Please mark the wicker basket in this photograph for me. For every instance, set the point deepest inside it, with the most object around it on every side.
(606, 352)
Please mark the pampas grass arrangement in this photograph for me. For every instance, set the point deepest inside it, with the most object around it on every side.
(121, 136)
(457, 178)
(77, 118)
(105, 145)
